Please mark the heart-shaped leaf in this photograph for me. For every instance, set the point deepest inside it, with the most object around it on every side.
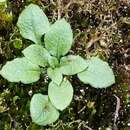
(42, 111)
(71, 65)
(98, 74)
(61, 95)
(37, 55)
(33, 23)
(59, 38)
(55, 75)
(20, 69)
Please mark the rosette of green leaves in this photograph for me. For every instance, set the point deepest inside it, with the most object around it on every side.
(50, 55)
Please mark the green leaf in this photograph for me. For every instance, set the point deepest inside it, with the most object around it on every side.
(53, 62)
(71, 65)
(59, 38)
(37, 55)
(33, 23)
(98, 74)
(20, 69)
(42, 111)
(61, 95)
(55, 75)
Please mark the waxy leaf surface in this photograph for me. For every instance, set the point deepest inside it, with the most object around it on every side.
(37, 55)
(98, 74)
(71, 65)
(60, 95)
(42, 111)
(58, 40)
(33, 23)
(21, 69)
(55, 75)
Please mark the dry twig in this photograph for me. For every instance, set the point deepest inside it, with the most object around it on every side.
(116, 114)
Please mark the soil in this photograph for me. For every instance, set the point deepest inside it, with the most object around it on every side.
(100, 27)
